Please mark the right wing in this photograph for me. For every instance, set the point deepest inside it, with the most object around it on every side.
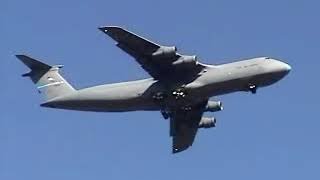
(184, 127)
(161, 62)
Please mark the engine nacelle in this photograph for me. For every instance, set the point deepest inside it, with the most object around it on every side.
(207, 122)
(165, 52)
(214, 106)
(186, 61)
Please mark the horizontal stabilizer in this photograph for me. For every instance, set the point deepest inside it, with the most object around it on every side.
(32, 63)
(38, 69)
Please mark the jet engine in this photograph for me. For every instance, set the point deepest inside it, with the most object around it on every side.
(207, 122)
(214, 106)
(186, 60)
(165, 52)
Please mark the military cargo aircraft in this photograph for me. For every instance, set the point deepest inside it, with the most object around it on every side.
(180, 86)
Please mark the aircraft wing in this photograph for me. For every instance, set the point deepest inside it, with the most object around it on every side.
(184, 127)
(161, 62)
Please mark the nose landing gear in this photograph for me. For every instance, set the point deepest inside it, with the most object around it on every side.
(253, 88)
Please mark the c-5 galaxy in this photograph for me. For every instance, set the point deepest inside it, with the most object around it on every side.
(180, 86)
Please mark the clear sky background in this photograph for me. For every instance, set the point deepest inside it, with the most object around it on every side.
(271, 135)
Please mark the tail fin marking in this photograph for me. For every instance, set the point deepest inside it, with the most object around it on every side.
(47, 78)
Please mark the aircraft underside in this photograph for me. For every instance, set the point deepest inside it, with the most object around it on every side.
(180, 86)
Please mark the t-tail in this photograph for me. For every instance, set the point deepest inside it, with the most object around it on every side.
(47, 78)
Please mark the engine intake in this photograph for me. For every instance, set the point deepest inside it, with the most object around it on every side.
(214, 106)
(165, 52)
(207, 122)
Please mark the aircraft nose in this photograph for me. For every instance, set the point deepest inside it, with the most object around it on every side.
(285, 67)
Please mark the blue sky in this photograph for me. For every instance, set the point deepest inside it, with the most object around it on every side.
(271, 135)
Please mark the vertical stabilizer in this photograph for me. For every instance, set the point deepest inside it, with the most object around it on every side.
(47, 78)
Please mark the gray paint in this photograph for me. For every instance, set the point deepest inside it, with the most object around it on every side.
(172, 73)
(137, 95)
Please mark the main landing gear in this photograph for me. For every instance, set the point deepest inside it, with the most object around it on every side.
(161, 98)
(179, 94)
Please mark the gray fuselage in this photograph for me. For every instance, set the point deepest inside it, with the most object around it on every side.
(139, 95)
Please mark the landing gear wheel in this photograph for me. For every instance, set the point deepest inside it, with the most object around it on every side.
(187, 108)
(159, 96)
(179, 94)
(253, 88)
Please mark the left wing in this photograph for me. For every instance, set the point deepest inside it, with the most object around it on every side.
(161, 62)
(126, 39)
(184, 127)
